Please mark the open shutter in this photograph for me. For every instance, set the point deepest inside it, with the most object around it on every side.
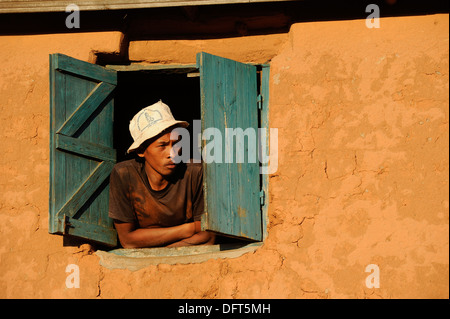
(229, 100)
(81, 148)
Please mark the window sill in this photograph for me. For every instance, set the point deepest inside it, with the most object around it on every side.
(135, 259)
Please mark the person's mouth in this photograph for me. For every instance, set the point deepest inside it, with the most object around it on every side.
(171, 165)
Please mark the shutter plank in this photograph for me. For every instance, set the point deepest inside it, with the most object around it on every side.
(57, 159)
(86, 108)
(84, 69)
(94, 232)
(86, 190)
(88, 149)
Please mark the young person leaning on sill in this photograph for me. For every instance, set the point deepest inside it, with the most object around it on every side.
(153, 201)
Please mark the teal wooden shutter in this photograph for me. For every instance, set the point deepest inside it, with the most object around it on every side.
(81, 148)
(229, 100)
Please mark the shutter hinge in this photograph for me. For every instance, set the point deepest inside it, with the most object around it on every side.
(259, 100)
(262, 196)
(67, 224)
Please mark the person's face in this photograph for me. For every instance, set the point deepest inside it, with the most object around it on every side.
(160, 153)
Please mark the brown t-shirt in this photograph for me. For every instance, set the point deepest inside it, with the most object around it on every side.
(132, 200)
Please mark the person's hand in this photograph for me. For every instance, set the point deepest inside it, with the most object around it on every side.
(190, 229)
(198, 226)
(199, 238)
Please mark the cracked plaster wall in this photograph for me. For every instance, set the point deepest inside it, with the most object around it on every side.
(362, 177)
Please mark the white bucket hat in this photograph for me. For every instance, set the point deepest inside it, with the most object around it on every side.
(150, 121)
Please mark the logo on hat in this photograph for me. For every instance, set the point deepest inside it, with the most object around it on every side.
(148, 118)
(151, 121)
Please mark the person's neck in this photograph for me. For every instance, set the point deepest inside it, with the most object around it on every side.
(157, 181)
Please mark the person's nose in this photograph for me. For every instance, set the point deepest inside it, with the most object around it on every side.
(170, 151)
(175, 151)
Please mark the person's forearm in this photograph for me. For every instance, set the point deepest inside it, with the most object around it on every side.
(153, 237)
(201, 238)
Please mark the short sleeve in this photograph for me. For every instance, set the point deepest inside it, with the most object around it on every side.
(120, 207)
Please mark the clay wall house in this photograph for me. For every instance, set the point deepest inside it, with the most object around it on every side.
(361, 176)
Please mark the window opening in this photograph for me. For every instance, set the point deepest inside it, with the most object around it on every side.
(178, 88)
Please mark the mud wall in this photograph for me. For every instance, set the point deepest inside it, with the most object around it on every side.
(362, 176)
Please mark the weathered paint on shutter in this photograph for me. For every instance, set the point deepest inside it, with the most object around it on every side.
(229, 100)
(81, 148)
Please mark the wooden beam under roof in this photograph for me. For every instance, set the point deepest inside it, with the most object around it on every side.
(23, 6)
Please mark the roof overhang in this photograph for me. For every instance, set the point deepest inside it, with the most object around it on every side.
(23, 6)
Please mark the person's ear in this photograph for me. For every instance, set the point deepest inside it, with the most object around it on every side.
(140, 154)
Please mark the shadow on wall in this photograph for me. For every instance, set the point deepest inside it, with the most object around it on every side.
(207, 22)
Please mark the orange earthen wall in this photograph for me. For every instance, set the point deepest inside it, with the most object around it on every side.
(362, 178)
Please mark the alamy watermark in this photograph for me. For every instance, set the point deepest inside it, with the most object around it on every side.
(73, 279)
(373, 19)
(229, 147)
(373, 280)
(73, 19)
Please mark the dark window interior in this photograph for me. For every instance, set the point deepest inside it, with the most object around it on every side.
(138, 89)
